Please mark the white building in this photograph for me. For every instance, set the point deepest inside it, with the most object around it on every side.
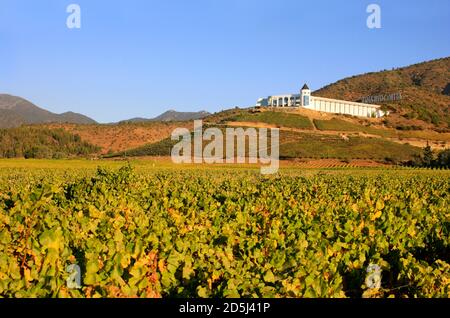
(328, 105)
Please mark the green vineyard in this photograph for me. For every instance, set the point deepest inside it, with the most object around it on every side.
(224, 232)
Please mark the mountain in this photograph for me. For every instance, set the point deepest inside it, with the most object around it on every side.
(136, 120)
(424, 89)
(75, 118)
(172, 115)
(15, 111)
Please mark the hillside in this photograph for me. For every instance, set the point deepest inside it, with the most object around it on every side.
(121, 138)
(118, 137)
(170, 115)
(419, 119)
(295, 144)
(424, 88)
(35, 142)
(305, 134)
(173, 115)
(313, 135)
(16, 111)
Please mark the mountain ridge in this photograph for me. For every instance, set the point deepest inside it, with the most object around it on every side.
(170, 115)
(16, 111)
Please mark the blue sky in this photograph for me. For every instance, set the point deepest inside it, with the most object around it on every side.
(138, 58)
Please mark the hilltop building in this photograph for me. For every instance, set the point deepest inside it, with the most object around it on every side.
(328, 105)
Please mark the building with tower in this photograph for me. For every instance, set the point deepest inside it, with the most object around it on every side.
(321, 104)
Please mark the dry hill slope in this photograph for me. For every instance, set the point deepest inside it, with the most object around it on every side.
(424, 87)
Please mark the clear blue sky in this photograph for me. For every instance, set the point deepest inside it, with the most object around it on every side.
(142, 57)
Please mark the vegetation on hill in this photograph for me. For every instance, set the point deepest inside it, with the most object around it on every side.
(307, 145)
(429, 159)
(336, 124)
(424, 89)
(304, 145)
(33, 142)
(170, 116)
(280, 119)
(114, 138)
(160, 148)
(225, 115)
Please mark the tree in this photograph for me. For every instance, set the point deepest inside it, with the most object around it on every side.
(443, 159)
(428, 156)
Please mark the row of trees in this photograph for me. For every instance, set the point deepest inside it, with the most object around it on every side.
(42, 143)
(429, 159)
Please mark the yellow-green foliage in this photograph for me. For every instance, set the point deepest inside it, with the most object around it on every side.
(342, 125)
(279, 119)
(223, 233)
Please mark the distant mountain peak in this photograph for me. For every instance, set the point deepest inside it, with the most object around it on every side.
(16, 111)
(173, 115)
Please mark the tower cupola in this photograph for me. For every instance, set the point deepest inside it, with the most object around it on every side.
(305, 94)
